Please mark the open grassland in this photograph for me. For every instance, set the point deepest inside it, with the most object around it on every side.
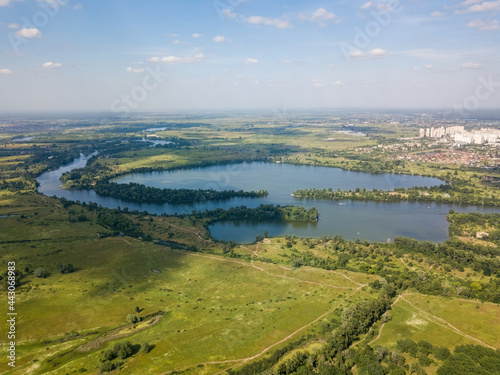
(443, 322)
(215, 309)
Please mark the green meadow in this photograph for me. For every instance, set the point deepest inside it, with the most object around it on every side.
(213, 309)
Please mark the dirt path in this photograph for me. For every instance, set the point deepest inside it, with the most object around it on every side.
(244, 360)
(127, 242)
(383, 325)
(335, 272)
(445, 324)
(190, 231)
(304, 281)
(221, 259)
(254, 252)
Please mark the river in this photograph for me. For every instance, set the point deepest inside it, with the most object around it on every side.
(374, 221)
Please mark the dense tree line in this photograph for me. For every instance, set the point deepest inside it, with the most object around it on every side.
(355, 162)
(442, 193)
(462, 223)
(456, 253)
(471, 359)
(261, 213)
(134, 192)
(119, 223)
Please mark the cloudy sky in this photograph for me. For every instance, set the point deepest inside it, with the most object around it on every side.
(128, 55)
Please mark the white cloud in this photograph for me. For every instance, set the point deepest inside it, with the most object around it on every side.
(258, 20)
(78, 7)
(195, 35)
(486, 6)
(367, 5)
(51, 65)
(4, 3)
(358, 55)
(377, 52)
(338, 83)
(5, 70)
(172, 35)
(220, 39)
(437, 14)
(229, 14)
(374, 54)
(276, 22)
(251, 61)
(472, 66)
(176, 42)
(14, 26)
(470, 2)
(321, 16)
(484, 25)
(428, 66)
(174, 60)
(135, 70)
(29, 33)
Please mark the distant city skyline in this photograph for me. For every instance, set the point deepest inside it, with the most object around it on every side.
(127, 56)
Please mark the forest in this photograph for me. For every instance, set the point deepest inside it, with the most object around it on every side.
(139, 193)
(442, 193)
(261, 213)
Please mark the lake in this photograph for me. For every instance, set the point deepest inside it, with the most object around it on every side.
(374, 221)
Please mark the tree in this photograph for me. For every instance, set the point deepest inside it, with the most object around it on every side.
(123, 349)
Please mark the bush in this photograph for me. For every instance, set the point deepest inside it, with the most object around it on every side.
(145, 347)
(120, 350)
(40, 272)
(132, 318)
(123, 349)
(65, 268)
(109, 366)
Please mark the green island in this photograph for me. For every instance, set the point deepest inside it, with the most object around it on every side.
(140, 193)
(123, 290)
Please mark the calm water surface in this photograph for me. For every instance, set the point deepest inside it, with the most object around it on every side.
(375, 221)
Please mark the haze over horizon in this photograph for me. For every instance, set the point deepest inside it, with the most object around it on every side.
(126, 56)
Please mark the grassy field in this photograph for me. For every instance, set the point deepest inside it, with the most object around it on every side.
(443, 322)
(215, 309)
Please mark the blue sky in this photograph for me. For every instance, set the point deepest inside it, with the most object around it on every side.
(169, 55)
